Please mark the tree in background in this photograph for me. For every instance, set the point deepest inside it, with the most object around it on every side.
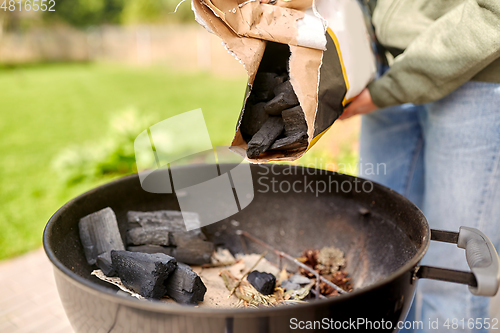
(84, 13)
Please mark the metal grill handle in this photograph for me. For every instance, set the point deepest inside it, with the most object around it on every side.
(483, 260)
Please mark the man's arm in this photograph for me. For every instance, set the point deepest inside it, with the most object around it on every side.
(446, 55)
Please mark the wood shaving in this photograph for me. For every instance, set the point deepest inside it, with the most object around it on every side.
(116, 281)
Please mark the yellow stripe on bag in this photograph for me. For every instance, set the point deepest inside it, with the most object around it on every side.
(346, 80)
(316, 138)
(337, 46)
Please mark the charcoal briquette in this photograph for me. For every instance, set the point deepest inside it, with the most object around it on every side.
(294, 120)
(295, 141)
(152, 249)
(285, 87)
(153, 235)
(282, 101)
(264, 84)
(105, 263)
(185, 286)
(165, 231)
(196, 252)
(163, 227)
(254, 117)
(263, 282)
(144, 273)
(99, 233)
(265, 137)
(193, 251)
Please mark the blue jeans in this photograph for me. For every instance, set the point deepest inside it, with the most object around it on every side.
(445, 157)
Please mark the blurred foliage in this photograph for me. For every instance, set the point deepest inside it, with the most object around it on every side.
(83, 13)
(156, 11)
(112, 155)
(47, 109)
(18, 20)
(60, 121)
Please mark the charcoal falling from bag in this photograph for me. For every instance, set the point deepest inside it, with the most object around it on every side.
(285, 88)
(296, 141)
(294, 121)
(99, 234)
(265, 137)
(263, 282)
(264, 85)
(144, 273)
(280, 102)
(254, 118)
(185, 286)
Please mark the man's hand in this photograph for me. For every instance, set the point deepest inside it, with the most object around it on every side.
(362, 104)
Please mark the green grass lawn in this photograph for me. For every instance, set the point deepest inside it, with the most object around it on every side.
(44, 109)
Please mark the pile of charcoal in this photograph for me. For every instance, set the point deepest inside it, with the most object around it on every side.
(273, 119)
(159, 249)
(153, 263)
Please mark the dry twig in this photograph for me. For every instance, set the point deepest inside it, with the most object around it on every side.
(244, 275)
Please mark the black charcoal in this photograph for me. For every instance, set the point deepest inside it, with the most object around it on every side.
(295, 141)
(282, 101)
(265, 137)
(167, 230)
(263, 282)
(175, 220)
(144, 273)
(294, 120)
(196, 252)
(185, 286)
(193, 252)
(152, 249)
(264, 84)
(105, 263)
(156, 236)
(99, 233)
(254, 117)
(163, 227)
(285, 87)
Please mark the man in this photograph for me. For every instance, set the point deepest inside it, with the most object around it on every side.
(442, 151)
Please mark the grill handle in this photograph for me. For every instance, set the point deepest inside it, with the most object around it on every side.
(483, 260)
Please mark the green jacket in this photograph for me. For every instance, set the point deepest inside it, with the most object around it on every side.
(446, 43)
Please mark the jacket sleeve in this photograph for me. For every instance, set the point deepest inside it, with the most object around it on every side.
(444, 56)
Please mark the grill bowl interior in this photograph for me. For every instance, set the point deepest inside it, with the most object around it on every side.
(378, 230)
